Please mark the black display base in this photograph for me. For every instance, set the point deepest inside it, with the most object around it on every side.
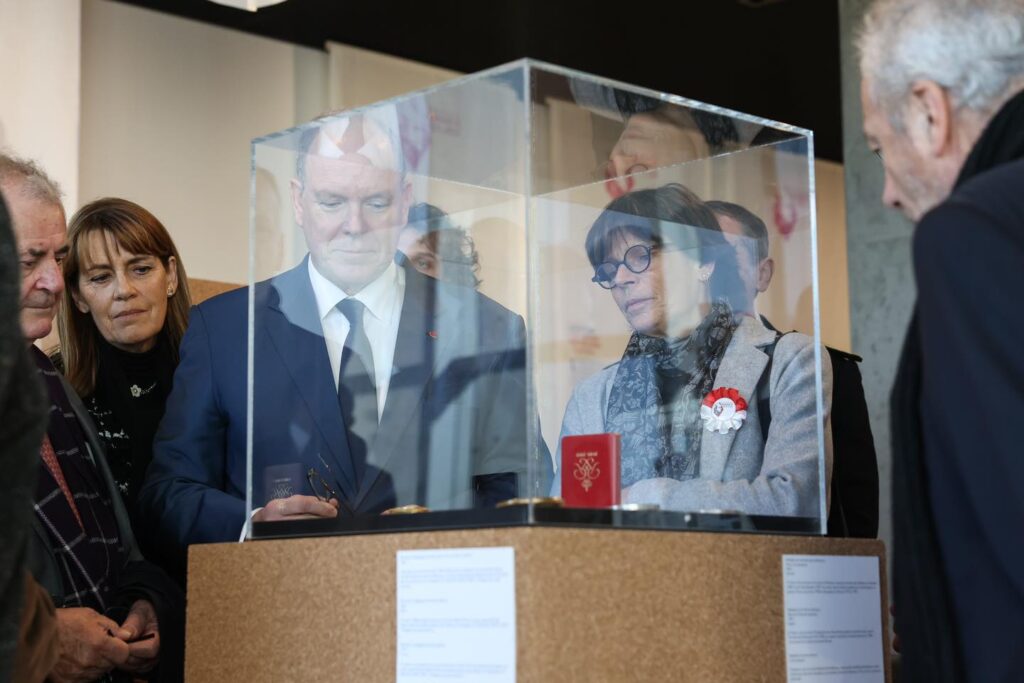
(537, 516)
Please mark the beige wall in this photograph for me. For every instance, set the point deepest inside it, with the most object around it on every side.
(360, 77)
(833, 277)
(39, 82)
(169, 107)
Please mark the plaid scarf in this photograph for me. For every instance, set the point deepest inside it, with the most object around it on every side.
(89, 555)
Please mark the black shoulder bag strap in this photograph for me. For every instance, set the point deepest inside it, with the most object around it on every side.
(764, 390)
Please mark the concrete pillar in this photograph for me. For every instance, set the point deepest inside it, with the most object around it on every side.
(878, 252)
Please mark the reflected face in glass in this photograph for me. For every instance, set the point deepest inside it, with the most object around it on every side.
(910, 185)
(126, 294)
(663, 300)
(653, 140)
(422, 258)
(42, 245)
(351, 213)
(756, 274)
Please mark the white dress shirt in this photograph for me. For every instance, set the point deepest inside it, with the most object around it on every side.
(383, 301)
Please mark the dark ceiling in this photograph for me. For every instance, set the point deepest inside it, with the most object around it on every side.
(773, 58)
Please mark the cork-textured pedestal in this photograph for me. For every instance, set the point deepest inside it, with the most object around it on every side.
(591, 604)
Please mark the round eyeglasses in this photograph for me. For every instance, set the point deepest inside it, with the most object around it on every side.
(637, 259)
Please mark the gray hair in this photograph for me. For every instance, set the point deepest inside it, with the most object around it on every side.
(972, 48)
(34, 181)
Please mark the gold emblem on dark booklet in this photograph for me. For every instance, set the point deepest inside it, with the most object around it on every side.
(586, 470)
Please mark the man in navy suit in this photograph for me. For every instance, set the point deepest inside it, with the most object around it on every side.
(943, 100)
(374, 386)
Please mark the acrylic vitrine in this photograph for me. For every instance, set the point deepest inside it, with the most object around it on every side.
(447, 283)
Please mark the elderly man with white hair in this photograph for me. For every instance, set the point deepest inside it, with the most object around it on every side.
(943, 99)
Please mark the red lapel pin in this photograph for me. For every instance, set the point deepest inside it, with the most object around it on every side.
(723, 410)
(432, 334)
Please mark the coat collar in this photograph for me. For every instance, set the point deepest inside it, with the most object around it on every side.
(741, 368)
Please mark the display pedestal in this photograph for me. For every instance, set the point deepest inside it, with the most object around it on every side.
(591, 604)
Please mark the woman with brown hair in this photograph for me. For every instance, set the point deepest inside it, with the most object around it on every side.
(121, 326)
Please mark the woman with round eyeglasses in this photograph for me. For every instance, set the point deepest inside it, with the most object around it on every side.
(687, 393)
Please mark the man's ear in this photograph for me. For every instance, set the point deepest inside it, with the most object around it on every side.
(929, 118)
(296, 188)
(765, 270)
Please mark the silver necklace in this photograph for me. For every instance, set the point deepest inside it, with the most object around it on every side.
(137, 391)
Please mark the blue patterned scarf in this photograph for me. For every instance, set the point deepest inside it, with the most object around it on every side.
(654, 402)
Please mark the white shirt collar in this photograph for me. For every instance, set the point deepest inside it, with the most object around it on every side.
(378, 296)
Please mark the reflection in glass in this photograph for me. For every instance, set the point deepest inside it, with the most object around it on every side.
(692, 392)
(468, 220)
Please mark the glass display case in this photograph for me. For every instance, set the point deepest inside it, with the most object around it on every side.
(446, 285)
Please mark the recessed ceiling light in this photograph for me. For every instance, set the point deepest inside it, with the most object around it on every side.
(251, 5)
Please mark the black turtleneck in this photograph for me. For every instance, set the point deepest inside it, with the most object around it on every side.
(127, 405)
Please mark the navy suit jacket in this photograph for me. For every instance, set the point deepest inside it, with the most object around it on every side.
(453, 433)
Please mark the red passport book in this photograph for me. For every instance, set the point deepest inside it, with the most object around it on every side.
(590, 470)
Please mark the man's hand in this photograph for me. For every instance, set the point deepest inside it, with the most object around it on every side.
(142, 634)
(895, 632)
(87, 648)
(649, 491)
(296, 507)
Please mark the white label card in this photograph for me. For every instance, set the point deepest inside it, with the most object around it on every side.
(833, 619)
(456, 616)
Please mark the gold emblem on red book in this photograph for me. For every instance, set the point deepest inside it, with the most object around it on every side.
(586, 470)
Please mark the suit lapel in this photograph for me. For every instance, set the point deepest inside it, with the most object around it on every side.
(419, 349)
(740, 369)
(293, 325)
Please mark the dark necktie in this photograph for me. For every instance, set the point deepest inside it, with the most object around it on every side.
(357, 388)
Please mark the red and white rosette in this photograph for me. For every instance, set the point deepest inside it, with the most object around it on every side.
(723, 410)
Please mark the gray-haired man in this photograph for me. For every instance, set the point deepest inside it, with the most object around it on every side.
(943, 98)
